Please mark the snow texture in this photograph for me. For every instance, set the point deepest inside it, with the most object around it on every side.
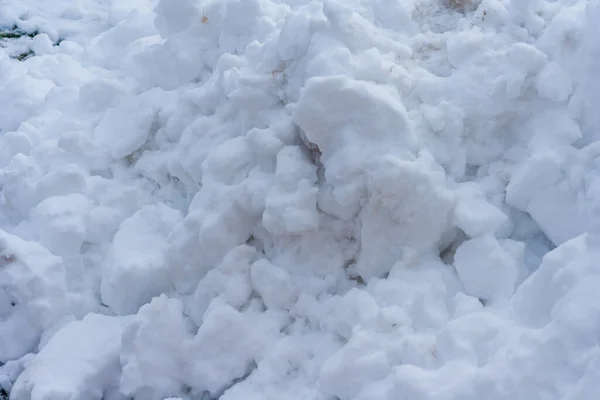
(299, 199)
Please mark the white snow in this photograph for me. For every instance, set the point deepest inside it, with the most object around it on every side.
(299, 199)
(81, 361)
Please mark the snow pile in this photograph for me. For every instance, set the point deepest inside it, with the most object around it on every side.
(259, 199)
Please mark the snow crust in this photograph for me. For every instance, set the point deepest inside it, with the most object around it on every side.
(300, 199)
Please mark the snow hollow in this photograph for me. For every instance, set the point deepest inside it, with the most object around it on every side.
(299, 199)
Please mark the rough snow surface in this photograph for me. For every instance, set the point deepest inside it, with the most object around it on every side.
(299, 199)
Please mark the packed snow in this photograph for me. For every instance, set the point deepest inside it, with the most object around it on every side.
(299, 199)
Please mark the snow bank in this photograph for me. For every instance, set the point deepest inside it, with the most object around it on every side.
(267, 199)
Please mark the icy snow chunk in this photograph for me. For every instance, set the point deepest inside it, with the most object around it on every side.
(589, 59)
(540, 188)
(226, 346)
(576, 311)
(554, 83)
(526, 58)
(489, 269)
(32, 295)
(78, 148)
(464, 304)
(61, 222)
(230, 162)
(174, 16)
(473, 337)
(463, 46)
(138, 269)
(153, 356)
(98, 95)
(62, 181)
(561, 272)
(19, 181)
(492, 12)
(80, 362)
(289, 368)
(230, 281)
(553, 128)
(349, 122)
(556, 210)
(126, 127)
(337, 110)
(294, 36)
(360, 362)
(343, 313)
(474, 214)
(102, 223)
(408, 208)
(537, 173)
(215, 224)
(588, 385)
(12, 143)
(42, 44)
(291, 204)
(21, 98)
(274, 285)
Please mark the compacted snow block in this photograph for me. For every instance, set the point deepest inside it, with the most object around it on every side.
(350, 122)
(408, 209)
(489, 269)
(32, 296)
(224, 349)
(137, 269)
(230, 281)
(474, 215)
(153, 359)
(131, 117)
(80, 362)
(61, 222)
(540, 188)
(365, 139)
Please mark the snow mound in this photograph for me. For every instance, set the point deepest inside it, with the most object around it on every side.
(324, 199)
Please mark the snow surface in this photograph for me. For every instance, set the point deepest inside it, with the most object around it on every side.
(300, 199)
